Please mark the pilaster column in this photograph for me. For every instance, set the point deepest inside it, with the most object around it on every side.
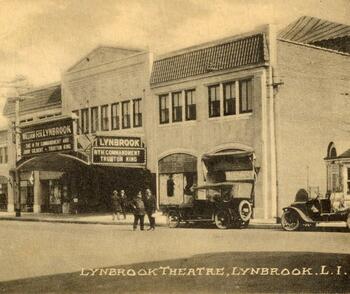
(37, 193)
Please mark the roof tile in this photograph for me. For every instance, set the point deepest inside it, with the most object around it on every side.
(246, 51)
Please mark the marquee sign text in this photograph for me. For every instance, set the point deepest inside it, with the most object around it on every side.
(55, 136)
(118, 150)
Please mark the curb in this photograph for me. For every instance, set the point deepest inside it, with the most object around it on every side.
(251, 226)
(69, 221)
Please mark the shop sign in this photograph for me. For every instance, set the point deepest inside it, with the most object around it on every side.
(55, 136)
(126, 151)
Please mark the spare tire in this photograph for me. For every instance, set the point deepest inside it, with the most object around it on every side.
(245, 210)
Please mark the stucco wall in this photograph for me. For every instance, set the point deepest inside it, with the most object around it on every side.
(311, 111)
(207, 134)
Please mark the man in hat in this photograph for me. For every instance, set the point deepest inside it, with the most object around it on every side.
(150, 205)
(139, 211)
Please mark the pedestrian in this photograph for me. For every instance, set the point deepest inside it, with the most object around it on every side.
(116, 207)
(150, 206)
(123, 202)
(139, 211)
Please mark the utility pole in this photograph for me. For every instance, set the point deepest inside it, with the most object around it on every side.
(16, 98)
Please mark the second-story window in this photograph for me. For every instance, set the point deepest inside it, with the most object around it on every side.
(137, 113)
(115, 116)
(164, 109)
(229, 98)
(214, 101)
(6, 155)
(85, 121)
(190, 102)
(94, 119)
(177, 107)
(104, 118)
(245, 96)
(76, 112)
(126, 114)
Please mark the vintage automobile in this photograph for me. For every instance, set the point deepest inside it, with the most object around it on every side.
(227, 204)
(311, 212)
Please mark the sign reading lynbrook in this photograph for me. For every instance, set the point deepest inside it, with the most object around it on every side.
(55, 136)
(118, 150)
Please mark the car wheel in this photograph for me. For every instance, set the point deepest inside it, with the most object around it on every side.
(222, 219)
(173, 219)
(348, 221)
(290, 221)
(245, 210)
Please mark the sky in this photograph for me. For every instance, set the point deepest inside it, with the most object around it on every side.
(40, 39)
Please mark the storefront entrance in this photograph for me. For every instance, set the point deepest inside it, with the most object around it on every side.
(177, 175)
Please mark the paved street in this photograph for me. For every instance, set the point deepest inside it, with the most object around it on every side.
(34, 249)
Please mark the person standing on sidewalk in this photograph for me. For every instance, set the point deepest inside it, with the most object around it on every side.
(123, 202)
(150, 205)
(116, 206)
(139, 211)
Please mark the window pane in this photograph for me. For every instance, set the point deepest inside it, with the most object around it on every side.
(229, 99)
(177, 107)
(126, 114)
(104, 118)
(137, 113)
(115, 116)
(76, 112)
(164, 109)
(190, 105)
(94, 119)
(246, 96)
(214, 101)
(85, 121)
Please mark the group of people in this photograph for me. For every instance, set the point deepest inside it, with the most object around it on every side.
(140, 206)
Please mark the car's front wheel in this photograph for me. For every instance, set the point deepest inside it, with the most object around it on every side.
(173, 219)
(223, 219)
(290, 221)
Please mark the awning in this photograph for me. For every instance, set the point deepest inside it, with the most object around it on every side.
(229, 160)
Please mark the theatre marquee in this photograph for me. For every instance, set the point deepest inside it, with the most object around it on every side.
(53, 136)
(119, 151)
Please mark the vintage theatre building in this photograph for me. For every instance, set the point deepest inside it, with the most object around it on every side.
(269, 106)
(93, 142)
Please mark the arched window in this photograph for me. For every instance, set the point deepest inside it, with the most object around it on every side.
(331, 151)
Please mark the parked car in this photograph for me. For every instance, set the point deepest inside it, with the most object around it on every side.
(310, 212)
(227, 204)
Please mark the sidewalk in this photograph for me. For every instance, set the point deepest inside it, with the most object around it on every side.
(105, 219)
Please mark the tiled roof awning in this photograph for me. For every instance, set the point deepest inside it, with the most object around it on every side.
(318, 32)
(250, 50)
(37, 99)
